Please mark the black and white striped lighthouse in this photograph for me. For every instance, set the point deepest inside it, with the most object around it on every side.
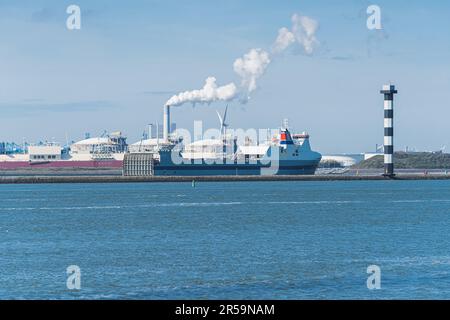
(389, 91)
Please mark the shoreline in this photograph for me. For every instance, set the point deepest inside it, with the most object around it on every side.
(122, 179)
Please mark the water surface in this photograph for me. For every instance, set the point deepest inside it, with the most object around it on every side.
(233, 240)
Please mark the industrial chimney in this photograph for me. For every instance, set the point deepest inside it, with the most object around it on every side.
(166, 123)
(388, 91)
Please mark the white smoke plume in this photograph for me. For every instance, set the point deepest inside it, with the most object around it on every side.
(253, 65)
(304, 29)
(303, 32)
(250, 67)
(209, 93)
(284, 40)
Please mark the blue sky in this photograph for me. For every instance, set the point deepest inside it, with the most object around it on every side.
(129, 57)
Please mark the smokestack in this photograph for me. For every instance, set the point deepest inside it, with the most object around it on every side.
(166, 124)
(388, 91)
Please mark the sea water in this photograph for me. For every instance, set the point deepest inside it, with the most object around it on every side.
(227, 240)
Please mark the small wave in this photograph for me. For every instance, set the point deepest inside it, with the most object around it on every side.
(60, 208)
(209, 204)
(199, 204)
(420, 201)
(314, 202)
(180, 204)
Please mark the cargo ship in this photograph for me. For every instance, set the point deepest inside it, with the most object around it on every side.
(282, 154)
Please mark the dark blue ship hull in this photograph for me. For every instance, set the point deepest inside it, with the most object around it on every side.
(235, 169)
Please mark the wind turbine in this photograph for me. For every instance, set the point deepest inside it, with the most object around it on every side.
(223, 130)
(222, 120)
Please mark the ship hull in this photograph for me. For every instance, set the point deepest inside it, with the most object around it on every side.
(303, 168)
